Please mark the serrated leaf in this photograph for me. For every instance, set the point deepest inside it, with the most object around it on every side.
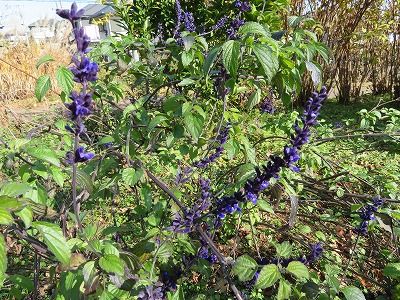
(43, 85)
(57, 175)
(186, 81)
(44, 154)
(84, 180)
(155, 121)
(392, 270)
(89, 272)
(212, 55)
(44, 59)
(14, 189)
(3, 260)
(284, 249)
(265, 206)
(315, 72)
(269, 274)
(26, 216)
(112, 264)
(244, 268)
(54, 240)
(187, 58)
(65, 79)
(254, 99)
(298, 269)
(268, 60)
(254, 28)
(230, 56)
(353, 293)
(5, 217)
(284, 290)
(131, 176)
(194, 125)
(10, 203)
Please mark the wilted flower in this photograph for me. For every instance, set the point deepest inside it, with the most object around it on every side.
(152, 292)
(267, 106)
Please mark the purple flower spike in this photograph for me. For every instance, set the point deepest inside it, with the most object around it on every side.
(72, 14)
(366, 214)
(243, 5)
(184, 224)
(253, 187)
(82, 156)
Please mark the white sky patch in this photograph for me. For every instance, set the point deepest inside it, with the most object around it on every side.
(16, 15)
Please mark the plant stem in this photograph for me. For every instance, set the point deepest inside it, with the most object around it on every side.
(75, 204)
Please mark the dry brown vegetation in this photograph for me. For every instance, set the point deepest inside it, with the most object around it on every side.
(18, 70)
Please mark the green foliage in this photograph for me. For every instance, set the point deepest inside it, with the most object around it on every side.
(159, 115)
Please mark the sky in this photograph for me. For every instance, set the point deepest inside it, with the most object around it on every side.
(20, 13)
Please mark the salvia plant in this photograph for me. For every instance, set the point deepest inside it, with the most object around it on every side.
(187, 174)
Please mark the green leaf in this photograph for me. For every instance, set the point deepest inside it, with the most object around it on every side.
(112, 264)
(254, 28)
(15, 189)
(3, 260)
(268, 60)
(84, 180)
(131, 176)
(44, 154)
(44, 59)
(89, 272)
(57, 176)
(230, 56)
(155, 121)
(178, 295)
(26, 216)
(22, 282)
(254, 99)
(10, 203)
(209, 61)
(65, 79)
(392, 270)
(194, 125)
(269, 274)
(55, 240)
(186, 81)
(187, 58)
(353, 293)
(284, 289)
(284, 249)
(5, 217)
(43, 85)
(245, 268)
(298, 269)
(265, 206)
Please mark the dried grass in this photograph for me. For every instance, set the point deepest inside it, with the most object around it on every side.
(18, 72)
